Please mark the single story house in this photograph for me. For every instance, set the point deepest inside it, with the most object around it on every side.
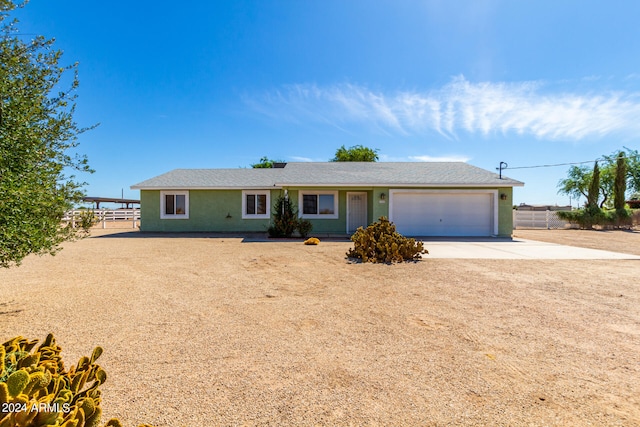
(421, 198)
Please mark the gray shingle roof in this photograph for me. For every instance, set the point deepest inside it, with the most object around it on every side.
(212, 178)
(325, 174)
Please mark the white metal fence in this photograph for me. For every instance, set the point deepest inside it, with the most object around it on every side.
(538, 219)
(116, 218)
(130, 218)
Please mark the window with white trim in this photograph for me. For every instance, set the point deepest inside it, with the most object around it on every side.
(319, 204)
(255, 204)
(174, 205)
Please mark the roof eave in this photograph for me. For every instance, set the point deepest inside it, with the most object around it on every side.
(182, 188)
(466, 185)
(279, 186)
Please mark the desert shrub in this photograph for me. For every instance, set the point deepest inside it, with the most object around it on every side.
(380, 242)
(87, 219)
(578, 217)
(304, 227)
(37, 391)
(285, 218)
(312, 241)
(619, 218)
(589, 218)
(583, 218)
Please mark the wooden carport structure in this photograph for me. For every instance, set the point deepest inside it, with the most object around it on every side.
(97, 200)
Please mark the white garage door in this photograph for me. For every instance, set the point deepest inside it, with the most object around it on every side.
(417, 213)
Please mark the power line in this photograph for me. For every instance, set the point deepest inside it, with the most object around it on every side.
(553, 165)
(600, 159)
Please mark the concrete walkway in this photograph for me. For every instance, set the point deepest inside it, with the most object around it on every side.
(512, 249)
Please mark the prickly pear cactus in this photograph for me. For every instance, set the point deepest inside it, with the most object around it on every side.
(37, 391)
(380, 242)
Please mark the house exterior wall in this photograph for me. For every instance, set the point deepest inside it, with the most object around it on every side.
(379, 207)
(221, 210)
(334, 225)
(209, 211)
(505, 212)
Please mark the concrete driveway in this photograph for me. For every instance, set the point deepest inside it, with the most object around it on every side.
(487, 248)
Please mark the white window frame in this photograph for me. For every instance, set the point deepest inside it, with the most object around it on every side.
(246, 193)
(163, 195)
(301, 195)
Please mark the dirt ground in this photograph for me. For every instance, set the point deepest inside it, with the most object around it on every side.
(627, 242)
(203, 331)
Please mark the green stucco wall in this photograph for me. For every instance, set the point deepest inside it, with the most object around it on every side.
(209, 210)
(379, 207)
(221, 211)
(505, 212)
(335, 225)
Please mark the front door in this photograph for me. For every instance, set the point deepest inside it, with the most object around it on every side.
(356, 211)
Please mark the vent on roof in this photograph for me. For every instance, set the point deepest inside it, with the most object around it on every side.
(279, 165)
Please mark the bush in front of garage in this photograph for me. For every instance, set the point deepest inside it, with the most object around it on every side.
(380, 242)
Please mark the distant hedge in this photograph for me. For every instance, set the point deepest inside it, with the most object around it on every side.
(589, 218)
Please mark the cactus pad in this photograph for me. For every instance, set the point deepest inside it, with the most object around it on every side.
(51, 395)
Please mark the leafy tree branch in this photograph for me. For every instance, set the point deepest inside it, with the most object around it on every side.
(37, 134)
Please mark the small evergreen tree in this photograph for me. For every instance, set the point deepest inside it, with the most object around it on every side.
(594, 191)
(286, 221)
(285, 218)
(620, 185)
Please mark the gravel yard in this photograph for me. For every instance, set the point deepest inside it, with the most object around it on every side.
(203, 331)
(627, 242)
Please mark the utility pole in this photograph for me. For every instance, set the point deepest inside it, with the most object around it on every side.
(503, 165)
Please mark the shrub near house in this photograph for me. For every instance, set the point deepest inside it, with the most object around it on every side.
(286, 221)
(380, 242)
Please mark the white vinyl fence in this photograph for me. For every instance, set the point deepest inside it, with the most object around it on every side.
(538, 219)
(116, 218)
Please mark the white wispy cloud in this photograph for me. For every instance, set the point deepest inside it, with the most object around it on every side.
(486, 108)
(425, 158)
(439, 158)
(303, 159)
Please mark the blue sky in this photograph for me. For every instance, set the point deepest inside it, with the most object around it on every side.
(216, 84)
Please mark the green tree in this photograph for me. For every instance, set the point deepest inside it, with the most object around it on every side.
(285, 218)
(607, 180)
(264, 163)
(579, 179)
(620, 184)
(594, 191)
(633, 170)
(357, 153)
(37, 133)
(576, 183)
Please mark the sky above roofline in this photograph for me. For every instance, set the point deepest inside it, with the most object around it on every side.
(222, 84)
